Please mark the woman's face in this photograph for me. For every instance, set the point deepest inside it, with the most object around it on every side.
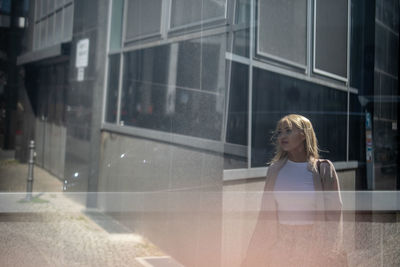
(290, 139)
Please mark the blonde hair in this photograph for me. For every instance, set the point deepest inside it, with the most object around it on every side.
(303, 124)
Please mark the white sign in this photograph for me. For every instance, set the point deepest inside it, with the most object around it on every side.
(82, 53)
(81, 74)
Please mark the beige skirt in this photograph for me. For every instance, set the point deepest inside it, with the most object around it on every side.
(301, 245)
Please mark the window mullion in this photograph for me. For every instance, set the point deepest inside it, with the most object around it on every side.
(309, 37)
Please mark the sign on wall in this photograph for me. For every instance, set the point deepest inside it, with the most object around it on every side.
(82, 58)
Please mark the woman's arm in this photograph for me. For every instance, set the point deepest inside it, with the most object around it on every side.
(331, 187)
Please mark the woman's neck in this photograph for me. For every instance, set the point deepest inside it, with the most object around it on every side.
(297, 157)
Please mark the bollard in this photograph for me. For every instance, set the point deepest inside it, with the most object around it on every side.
(31, 164)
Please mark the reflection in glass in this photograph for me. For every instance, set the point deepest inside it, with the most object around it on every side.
(143, 18)
(276, 95)
(237, 123)
(176, 88)
(356, 129)
(282, 29)
(241, 42)
(331, 24)
(186, 12)
(238, 104)
(112, 88)
(116, 24)
(242, 11)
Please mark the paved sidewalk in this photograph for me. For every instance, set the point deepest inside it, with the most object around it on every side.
(53, 230)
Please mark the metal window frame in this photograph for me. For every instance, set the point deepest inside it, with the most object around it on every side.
(250, 88)
(107, 60)
(309, 37)
(198, 24)
(234, 21)
(64, 8)
(180, 139)
(348, 79)
(44, 18)
(323, 72)
(173, 39)
(158, 34)
(58, 6)
(228, 75)
(61, 15)
(275, 57)
(289, 73)
(121, 66)
(50, 29)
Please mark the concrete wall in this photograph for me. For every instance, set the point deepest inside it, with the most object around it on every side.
(84, 99)
(50, 140)
(171, 194)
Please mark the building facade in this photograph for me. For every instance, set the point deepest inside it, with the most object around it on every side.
(168, 95)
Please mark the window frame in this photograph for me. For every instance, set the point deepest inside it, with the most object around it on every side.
(277, 59)
(156, 35)
(327, 73)
(193, 26)
(42, 42)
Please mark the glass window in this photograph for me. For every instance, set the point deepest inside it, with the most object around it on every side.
(51, 6)
(166, 88)
(275, 96)
(54, 22)
(38, 10)
(242, 12)
(331, 26)
(116, 24)
(44, 8)
(241, 42)
(68, 14)
(43, 33)
(112, 88)
(282, 30)
(357, 44)
(356, 129)
(50, 30)
(186, 12)
(198, 64)
(36, 37)
(143, 18)
(58, 27)
(238, 104)
(59, 3)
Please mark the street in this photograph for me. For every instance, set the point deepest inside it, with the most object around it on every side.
(53, 230)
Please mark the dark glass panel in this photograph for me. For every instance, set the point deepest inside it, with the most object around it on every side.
(331, 24)
(112, 89)
(238, 105)
(275, 96)
(176, 88)
(356, 129)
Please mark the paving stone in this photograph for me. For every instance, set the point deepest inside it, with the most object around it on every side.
(54, 230)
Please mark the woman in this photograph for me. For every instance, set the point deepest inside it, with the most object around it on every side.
(298, 225)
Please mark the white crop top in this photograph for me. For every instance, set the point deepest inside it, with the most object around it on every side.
(295, 194)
